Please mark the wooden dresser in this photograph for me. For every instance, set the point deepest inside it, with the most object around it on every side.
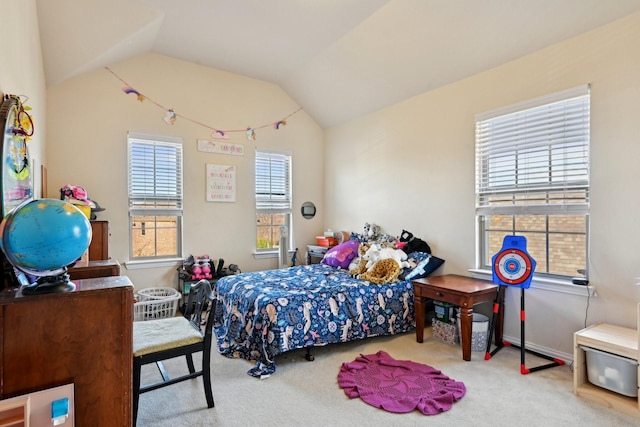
(82, 337)
(99, 247)
(92, 269)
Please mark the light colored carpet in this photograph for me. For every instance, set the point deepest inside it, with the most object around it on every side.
(307, 393)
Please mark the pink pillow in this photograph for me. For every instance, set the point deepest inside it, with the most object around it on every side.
(342, 254)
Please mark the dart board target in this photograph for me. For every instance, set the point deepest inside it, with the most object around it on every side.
(512, 265)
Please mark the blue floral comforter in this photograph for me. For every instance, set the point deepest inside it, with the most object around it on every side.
(261, 314)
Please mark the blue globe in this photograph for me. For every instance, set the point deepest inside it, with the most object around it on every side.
(42, 236)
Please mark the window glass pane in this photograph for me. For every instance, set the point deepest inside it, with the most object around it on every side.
(154, 236)
(494, 244)
(279, 219)
(501, 222)
(565, 254)
(568, 223)
(268, 229)
(531, 222)
(537, 248)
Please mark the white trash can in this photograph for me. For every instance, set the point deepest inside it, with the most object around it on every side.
(479, 331)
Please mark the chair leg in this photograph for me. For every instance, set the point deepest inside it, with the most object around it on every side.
(206, 379)
(137, 366)
(190, 364)
(163, 372)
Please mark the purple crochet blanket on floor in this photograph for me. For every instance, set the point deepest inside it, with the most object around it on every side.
(399, 385)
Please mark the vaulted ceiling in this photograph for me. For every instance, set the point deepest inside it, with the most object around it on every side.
(338, 59)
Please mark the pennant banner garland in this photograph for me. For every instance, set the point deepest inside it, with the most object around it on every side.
(170, 116)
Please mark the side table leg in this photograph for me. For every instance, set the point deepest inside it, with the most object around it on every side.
(419, 306)
(466, 321)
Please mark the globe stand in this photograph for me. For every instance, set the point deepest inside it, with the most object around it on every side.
(49, 284)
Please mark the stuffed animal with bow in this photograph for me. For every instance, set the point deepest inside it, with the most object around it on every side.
(412, 243)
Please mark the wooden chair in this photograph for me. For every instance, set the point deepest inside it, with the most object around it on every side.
(161, 339)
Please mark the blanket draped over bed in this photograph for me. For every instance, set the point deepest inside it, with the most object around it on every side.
(265, 313)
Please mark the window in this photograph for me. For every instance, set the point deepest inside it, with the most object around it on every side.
(155, 197)
(273, 199)
(532, 179)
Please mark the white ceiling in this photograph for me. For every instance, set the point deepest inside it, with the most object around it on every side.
(337, 59)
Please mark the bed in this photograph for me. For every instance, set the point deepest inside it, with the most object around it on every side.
(262, 314)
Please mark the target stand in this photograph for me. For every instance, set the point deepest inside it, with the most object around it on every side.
(513, 266)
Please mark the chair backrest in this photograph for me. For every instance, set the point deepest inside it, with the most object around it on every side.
(198, 301)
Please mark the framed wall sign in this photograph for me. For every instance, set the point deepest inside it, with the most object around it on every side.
(221, 183)
(220, 147)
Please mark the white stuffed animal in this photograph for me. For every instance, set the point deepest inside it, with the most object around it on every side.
(376, 253)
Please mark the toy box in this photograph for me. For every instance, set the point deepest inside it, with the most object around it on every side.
(326, 242)
(445, 312)
(613, 372)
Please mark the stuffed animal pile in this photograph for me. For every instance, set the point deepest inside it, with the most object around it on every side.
(382, 257)
(384, 271)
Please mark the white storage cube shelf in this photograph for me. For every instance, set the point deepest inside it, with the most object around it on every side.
(605, 367)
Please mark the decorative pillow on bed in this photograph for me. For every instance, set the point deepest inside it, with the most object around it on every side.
(425, 265)
(342, 254)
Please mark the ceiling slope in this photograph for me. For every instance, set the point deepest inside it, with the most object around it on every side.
(338, 59)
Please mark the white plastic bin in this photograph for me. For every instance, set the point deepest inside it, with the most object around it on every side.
(613, 372)
(479, 331)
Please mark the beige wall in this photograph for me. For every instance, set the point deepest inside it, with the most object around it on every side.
(21, 71)
(89, 118)
(411, 166)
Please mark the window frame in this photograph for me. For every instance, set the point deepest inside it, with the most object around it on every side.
(268, 201)
(171, 204)
(540, 179)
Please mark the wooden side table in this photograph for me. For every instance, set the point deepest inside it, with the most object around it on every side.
(462, 291)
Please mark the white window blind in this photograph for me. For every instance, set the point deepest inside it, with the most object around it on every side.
(273, 181)
(155, 175)
(533, 158)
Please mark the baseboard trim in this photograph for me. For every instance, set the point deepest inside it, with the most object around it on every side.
(565, 357)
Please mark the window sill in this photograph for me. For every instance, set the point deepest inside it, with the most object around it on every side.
(554, 285)
(153, 263)
(269, 254)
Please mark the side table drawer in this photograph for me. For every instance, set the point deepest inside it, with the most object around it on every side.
(423, 292)
(430, 293)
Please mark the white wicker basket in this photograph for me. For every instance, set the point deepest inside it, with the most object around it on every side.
(155, 303)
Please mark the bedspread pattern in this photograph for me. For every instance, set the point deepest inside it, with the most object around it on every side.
(262, 314)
